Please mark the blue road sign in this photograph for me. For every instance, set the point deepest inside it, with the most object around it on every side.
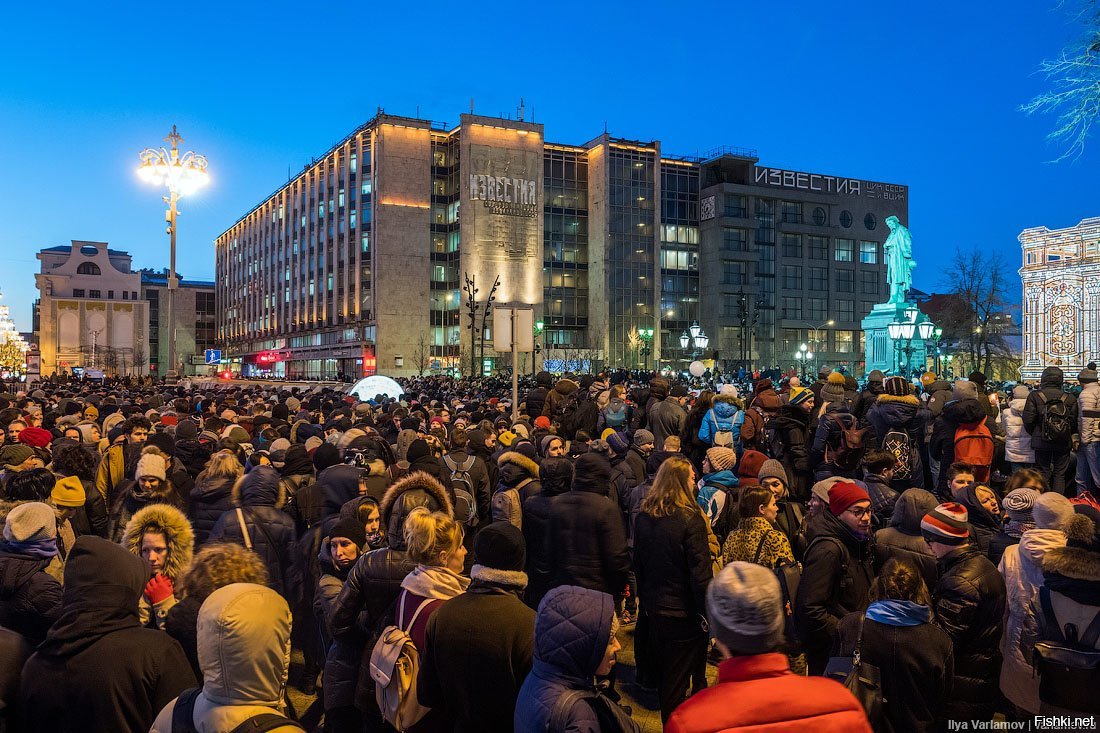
(213, 356)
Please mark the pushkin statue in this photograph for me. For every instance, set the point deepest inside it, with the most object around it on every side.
(898, 250)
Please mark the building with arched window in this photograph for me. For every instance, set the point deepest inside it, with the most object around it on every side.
(1061, 281)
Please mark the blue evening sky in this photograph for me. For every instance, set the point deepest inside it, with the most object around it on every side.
(922, 94)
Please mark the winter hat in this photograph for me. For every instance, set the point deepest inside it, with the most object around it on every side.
(946, 524)
(326, 455)
(151, 465)
(417, 449)
(499, 546)
(619, 443)
(293, 404)
(833, 389)
(678, 391)
(896, 387)
(642, 437)
(1086, 376)
(728, 390)
(876, 375)
(592, 469)
(32, 521)
(773, 469)
(824, 371)
(187, 430)
(844, 494)
(1018, 504)
(544, 444)
(607, 433)
(745, 608)
(91, 413)
(237, 433)
(751, 461)
(36, 437)
(977, 378)
(1020, 392)
(1081, 529)
(963, 390)
(313, 443)
(722, 458)
(68, 492)
(927, 379)
(13, 454)
(542, 422)
(800, 395)
(526, 449)
(1051, 511)
(350, 528)
(507, 438)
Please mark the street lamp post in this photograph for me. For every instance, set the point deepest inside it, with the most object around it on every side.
(183, 174)
(539, 325)
(695, 337)
(646, 335)
(803, 356)
(904, 331)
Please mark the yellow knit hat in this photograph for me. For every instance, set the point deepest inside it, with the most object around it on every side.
(68, 492)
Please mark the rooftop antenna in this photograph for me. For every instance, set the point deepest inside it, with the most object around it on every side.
(605, 127)
(418, 111)
(471, 105)
(521, 109)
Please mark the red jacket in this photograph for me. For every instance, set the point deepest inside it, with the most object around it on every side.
(761, 694)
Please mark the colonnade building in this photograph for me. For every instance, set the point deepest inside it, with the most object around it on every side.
(359, 263)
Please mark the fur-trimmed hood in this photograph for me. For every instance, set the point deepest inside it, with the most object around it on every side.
(177, 530)
(416, 489)
(885, 399)
(1077, 563)
(515, 458)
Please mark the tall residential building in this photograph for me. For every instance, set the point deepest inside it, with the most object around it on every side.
(94, 311)
(1061, 281)
(359, 262)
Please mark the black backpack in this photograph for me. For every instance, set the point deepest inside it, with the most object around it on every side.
(1067, 661)
(463, 486)
(1056, 425)
(183, 716)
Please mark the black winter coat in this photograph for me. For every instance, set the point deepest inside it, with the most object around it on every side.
(1050, 386)
(557, 476)
(210, 498)
(672, 562)
(970, 603)
(92, 517)
(903, 540)
(790, 425)
(270, 530)
(904, 415)
(30, 599)
(836, 577)
(916, 664)
(182, 624)
(585, 539)
(477, 652)
(866, 399)
(99, 671)
(535, 401)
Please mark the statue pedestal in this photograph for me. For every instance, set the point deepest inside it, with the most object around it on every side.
(879, 349)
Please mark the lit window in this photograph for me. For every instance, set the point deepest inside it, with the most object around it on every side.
(868, 253)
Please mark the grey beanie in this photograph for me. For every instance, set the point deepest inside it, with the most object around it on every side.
(1086, 376)
(964, 389)
(641, 437)
(745, 608)
(30, 522)
(876, 375)
(773, 469)
(1051, 511)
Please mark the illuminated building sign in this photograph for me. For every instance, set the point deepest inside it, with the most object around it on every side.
(829, 184)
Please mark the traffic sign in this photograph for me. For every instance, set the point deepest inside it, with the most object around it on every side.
(213, 356)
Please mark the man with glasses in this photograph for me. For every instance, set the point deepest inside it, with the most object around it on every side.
(837, 571)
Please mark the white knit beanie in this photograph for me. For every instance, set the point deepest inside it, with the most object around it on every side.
(745, 608)
(152, 466)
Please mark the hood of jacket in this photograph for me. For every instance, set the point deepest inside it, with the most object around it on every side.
(908, 402)
(210, 489)
(1036, 543)
(338, 484)
(260, 487)
(964, 411)
(767, 400)
(874, 388)
(940, 385)
(176, 528)
(791, 416)
(516, 467)
(1051, 377)
(721, 478)
(724, 407)
(978, 515)
(572, 630)
(592, 474)
(413, 490)
(566, 387)
(556, 476)
(297, 462)
(1017, 404)
(103, 583)
(910, 508)
(243, 636)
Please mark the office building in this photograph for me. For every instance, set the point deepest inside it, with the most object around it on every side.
(359, 262)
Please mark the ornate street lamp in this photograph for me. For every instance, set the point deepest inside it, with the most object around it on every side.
(696, 338)
(182, 174)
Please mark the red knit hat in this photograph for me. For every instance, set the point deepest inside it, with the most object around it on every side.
(35, 437)
(843, 494)
(542, 421)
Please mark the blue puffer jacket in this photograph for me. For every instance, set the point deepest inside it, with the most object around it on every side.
(572, 630)
(723, 416)
(270, 530)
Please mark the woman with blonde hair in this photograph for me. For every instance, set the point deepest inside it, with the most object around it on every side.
(672, 559)
(212, 495)
(434, 542)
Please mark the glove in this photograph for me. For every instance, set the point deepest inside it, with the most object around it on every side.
(159, 588)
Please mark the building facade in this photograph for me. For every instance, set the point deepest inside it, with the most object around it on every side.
(94, 311)
(195, 318)
(1061, 289)
(89, 312)
(360, 263)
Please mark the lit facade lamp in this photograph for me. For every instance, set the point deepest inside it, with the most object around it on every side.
(182, 174)
(684, 339)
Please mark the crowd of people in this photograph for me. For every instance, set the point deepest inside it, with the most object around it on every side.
(891, 556)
